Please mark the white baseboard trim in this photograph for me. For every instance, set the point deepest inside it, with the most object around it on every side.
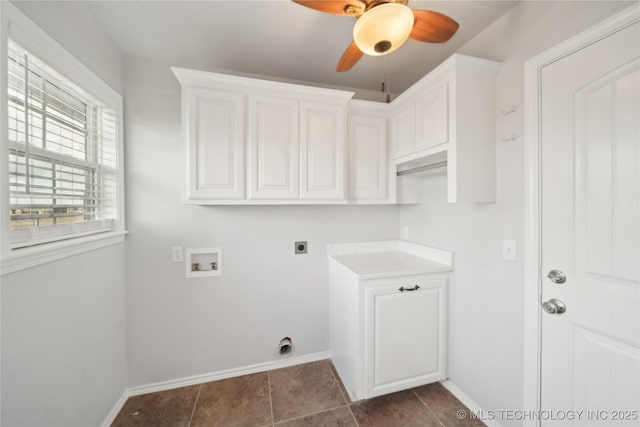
(116, 409)
(468, 402)
(228, 373)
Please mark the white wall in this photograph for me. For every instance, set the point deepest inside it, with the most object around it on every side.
(63, 341)
(71, 25)
(181, 327)
(486, 293)
(63, 323)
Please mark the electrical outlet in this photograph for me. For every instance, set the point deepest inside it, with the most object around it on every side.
(509, 250)
(177, 254)
(300, 247)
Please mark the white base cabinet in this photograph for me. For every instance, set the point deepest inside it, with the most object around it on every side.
(387, 334)
(404, 335)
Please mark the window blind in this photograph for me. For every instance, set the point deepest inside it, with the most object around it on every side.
(62, 155)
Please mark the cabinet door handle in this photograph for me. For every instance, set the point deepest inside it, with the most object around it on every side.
(415, 288)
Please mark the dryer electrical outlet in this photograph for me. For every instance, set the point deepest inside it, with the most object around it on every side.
(300, 247)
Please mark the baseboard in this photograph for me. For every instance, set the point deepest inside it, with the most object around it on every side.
(469, 403)
(116, 409)
(229, 373)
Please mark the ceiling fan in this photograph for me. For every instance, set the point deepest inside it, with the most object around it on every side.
(382, 26)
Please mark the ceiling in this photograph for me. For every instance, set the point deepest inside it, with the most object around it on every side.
(278, 38)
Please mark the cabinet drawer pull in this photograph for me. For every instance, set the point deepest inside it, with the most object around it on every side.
(415, 288)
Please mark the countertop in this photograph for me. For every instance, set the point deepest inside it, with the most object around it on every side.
(371, 260)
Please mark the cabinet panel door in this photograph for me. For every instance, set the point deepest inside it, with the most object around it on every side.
(273, 148)
(215, 144)
(432, 119)
(367, 158)
(405, 337)
(403, 136)
(322, 146)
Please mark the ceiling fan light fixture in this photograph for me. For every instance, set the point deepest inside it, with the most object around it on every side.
(383, 28)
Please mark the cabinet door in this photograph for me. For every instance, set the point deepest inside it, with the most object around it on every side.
(215, 144)
(273, 148)
(403, 137)
(322, 146)
(367, 158)
(405, 342)
(432, 124)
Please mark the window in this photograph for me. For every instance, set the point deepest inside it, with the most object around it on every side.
(62, 155)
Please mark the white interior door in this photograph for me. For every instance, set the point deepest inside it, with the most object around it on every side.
(590, 120)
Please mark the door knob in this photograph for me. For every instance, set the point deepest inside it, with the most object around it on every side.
(554, 306)
(557, 276)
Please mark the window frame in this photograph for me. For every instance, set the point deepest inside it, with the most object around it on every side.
(19, 28)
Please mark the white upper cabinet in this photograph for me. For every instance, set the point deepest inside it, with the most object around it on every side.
(250, 141)
(322, 151)
(421, 123)
(368, 164)
(451, 110)
(403, 128)
(273, 148)
(432, 118)
(215, 144)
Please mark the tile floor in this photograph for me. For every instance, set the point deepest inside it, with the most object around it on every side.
(302, 395)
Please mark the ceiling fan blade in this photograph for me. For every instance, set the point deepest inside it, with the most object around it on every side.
(432, 27)
(339, 7)
(349, 57)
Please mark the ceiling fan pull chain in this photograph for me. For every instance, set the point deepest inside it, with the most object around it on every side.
(388, 79)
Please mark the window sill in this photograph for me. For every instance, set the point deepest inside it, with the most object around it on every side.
(21, 259)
